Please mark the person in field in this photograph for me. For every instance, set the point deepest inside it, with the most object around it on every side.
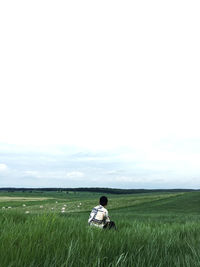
(99, 215)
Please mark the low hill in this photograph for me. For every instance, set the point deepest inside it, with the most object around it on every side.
(186, 203)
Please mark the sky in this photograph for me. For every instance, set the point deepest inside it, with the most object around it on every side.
(100, 94)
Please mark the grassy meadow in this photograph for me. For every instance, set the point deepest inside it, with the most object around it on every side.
(50, 229)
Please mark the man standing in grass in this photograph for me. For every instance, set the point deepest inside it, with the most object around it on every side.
(99, 215)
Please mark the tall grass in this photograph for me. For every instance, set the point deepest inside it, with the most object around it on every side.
(66, 240)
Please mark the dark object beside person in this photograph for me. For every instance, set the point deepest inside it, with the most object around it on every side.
(110, 225)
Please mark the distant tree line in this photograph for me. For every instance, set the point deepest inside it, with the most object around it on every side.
(96, 190)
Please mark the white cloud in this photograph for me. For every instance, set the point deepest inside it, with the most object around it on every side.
(124, 179)
(54, 174)
(3, 167)
(112, 172)
(75, 174)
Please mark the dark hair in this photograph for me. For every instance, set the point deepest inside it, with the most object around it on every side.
(103, 201)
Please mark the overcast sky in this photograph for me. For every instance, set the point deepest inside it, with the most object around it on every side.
(100, 93)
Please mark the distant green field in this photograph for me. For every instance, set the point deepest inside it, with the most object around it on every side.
(50, 229)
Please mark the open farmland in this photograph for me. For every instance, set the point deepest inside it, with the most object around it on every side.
(50, 229)
(7, 199)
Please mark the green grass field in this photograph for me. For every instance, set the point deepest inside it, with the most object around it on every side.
(157, 229)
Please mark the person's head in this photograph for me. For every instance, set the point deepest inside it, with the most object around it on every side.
(103, 201)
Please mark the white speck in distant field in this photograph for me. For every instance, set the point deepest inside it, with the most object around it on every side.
(9, 207)
(80, 203)
(41, 207)
(27, 212)
(62, 211)
(65, 205)
(3, 208)
(63, 208)
(52, 208)
(56, 201)
(24, 205)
